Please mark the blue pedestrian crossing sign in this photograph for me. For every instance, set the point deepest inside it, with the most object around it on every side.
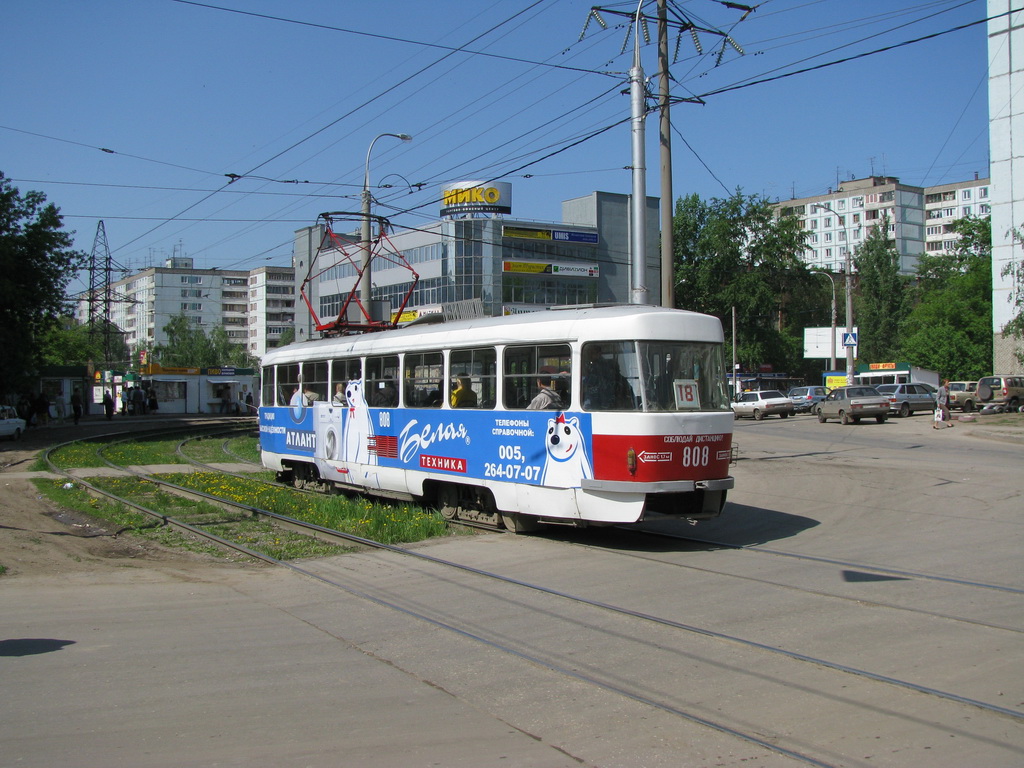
(850, 339)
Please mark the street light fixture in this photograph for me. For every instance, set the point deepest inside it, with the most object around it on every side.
(832, 359)
(364, 236)
(848, 269)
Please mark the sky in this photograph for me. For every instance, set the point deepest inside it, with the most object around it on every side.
(214, 130)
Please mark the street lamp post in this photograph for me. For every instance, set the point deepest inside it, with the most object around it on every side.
(832, 359)
(848, 270)
(364, 236)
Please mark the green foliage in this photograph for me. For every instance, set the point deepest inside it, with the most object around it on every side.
(65, 342)
(1015, 271)
(949, 328)
(36, 265)
(287, 337)
(736, 253)
(189, 346)
(880, 305)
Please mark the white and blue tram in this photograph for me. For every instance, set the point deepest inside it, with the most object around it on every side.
(575, 416)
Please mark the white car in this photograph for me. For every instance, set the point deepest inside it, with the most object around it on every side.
(770, 402)
(10, 424)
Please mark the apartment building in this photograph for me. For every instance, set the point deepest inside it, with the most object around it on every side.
(253, 306)
(946, 203)
(920, 218)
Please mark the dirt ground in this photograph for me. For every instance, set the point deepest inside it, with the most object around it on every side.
(39, 539)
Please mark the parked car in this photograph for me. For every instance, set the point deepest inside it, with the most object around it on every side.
(963, 395)
(905, 399)
(11, 425)
(1002, 390)
(851, 404)
(770, 402)
(805, 398)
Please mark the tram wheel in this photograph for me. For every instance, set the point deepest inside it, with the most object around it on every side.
(448, 501)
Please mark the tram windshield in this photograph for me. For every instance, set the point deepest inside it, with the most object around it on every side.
(682, 376)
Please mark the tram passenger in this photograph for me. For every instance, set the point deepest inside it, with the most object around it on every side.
(463, 395)
(386, 396)
(339, 394)
(547, 398)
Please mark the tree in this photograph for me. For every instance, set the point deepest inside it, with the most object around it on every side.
(736, 253)
(949, 327)
(1015, 271)
(189, 346)
(65, 342)
(880, 304)
(37, 263)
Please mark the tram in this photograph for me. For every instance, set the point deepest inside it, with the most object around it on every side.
(579, 416)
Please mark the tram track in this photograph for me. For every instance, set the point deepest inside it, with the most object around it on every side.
(651, 694)
(850, 567)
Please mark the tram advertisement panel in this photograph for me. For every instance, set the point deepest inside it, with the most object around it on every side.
(535, 447)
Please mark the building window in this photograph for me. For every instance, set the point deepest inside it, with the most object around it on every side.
(965, 194)
(983, 193)
(192, 279)
(967, 210)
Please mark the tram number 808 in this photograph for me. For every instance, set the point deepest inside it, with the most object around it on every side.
(696, 455)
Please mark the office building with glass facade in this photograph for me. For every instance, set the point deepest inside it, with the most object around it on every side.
(509, 265)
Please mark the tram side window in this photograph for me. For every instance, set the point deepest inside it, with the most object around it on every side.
(610, 378)
(342, 372)
(423, 374)
(527, 367)
(473, 378)
(287, 383)
(381, 381)
(314, 378)
(267, 390)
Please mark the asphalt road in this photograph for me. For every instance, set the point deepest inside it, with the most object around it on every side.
(893, 549)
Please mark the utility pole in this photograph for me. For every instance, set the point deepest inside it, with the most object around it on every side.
(638, 213)
(668, 298)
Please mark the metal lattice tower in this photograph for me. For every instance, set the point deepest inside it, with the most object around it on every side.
(100, 289)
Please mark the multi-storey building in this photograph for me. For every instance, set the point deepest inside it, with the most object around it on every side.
(945, 203)
(1006, 145)
(271, 310)
(920, 218)
(508, 265)
(253, 306)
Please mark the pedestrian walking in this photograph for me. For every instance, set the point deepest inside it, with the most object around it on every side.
(108, 405)
(943, 416)
(76, 405)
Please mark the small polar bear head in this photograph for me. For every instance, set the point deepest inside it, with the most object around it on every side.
(354, 394)
(563, 438)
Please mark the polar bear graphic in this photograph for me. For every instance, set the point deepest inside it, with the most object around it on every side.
(358, 429)
(566, 462)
